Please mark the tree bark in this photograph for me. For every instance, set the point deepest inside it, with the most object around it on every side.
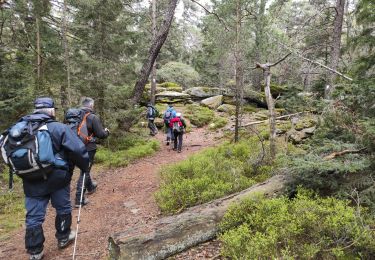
(238, 71)
(335, 47)
(65, 88)
(154, 51)
(259, 42)
(173, 234)
(153, 72)
(271, 111)
(38, 57)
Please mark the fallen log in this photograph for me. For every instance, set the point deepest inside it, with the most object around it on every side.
(337, 154)
(174, 234)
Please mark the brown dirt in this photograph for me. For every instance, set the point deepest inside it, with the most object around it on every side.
(124, 199)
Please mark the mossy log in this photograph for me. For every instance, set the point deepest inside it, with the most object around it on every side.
(174, 234)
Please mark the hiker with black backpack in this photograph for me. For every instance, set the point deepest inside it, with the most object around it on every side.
(88, 127)
(152, 113)
(168, 115)
(178, 126)
(43, 153)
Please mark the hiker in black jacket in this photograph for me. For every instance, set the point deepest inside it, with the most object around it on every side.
(95, 130)
(54, 186)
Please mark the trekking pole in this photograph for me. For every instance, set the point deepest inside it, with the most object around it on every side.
(79, 215)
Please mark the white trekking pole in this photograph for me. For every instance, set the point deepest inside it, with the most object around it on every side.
(79, 215)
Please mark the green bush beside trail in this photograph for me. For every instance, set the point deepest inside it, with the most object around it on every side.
(306, 227)
(198, 115)
(211, 174)
(123, 157)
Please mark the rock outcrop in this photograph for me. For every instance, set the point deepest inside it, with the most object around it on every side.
(212, 102)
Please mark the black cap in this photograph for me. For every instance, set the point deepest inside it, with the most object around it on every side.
(44, 102)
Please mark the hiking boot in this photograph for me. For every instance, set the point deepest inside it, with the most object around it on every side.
(174, 149)
(167, 142)
(85, 201)
(93, 188)
(38, 256)
(179, 151)
(62, 243)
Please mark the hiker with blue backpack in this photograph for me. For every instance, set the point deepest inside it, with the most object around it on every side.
(43, 153)
(88, 127)
(167, 117)
(178, 126)
(152, 113)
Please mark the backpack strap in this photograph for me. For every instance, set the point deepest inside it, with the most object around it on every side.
(88, 138)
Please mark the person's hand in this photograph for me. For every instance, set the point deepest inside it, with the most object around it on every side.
(106, 130)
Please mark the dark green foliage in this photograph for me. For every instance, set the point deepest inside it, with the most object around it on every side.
(307, 227)
(178, 72)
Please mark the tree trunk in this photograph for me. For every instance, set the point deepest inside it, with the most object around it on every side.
(271, 111)
(154, 51)
(173, 234)
(38, 58)
(153, 73)
(335, 47)
(259, 44)
(65, 88)
(238, 71)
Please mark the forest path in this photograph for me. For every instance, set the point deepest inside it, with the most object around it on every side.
(124, 199)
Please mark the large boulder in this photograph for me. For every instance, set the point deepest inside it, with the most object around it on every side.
(172, 97)
(204, 92)
(212, 102)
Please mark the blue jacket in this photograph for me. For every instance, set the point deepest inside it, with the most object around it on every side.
(69, 146)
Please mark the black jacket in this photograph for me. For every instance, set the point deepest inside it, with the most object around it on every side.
(66, 143)
(95, 128)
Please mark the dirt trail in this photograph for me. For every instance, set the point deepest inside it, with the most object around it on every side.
(124, 199)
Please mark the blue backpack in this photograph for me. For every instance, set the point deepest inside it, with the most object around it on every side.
(27, 149)
(168, 115)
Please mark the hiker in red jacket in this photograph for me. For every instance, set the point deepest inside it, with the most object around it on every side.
(178, 126)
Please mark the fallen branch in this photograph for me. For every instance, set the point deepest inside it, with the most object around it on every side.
(337, 154)
(264, 121)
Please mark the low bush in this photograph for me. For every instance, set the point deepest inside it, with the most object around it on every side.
(307, 227)
(12, 211)
(123, 157)
(218, 122)
(198, 115)
(211, 174)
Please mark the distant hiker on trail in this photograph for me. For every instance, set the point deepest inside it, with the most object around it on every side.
(152, 113)
(178, 126)
(94, 130)
(43, 153)
(168, 115)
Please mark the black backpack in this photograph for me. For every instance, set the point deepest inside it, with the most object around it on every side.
(76, 119)
(28, 151)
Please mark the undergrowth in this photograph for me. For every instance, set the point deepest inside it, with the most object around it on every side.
(198, 115)
(213, 173)
(306, 227)
(12, 211)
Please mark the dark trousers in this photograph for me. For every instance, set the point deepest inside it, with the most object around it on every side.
(36, 208)
(178, 140)
(88, 180)
(152, 126)
(169, 132)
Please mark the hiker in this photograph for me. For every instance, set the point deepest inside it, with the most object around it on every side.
(168, 115)
(43, 153)
(152, 113)
(178, 126)
(95, 130)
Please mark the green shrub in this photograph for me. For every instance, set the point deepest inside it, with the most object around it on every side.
(171, 86)
(307, 227)
(218, 122)
(210, 174)
(122, 158)
(12, 210)
(198, 115)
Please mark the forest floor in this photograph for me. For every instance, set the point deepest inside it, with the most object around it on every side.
(123, 200)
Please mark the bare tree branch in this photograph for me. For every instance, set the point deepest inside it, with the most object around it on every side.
(213, 13)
